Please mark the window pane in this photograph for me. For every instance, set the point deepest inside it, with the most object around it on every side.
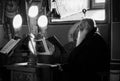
(68, 11)
(95, 14)
(69, 7)
(99, 1)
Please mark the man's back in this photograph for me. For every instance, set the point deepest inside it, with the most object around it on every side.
(89, 58)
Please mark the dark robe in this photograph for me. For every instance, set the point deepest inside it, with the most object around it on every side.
(88, 60)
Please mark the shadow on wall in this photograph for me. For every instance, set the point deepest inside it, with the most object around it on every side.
(61, 31)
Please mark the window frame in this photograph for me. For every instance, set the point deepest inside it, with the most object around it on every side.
(95, 5)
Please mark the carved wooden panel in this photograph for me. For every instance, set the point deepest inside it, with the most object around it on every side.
(22, 76)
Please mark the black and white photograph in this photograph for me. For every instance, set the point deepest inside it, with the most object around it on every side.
(59, 40)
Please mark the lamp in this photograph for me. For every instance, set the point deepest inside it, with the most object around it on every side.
(32, 57)
(42, 23)
(17, 23)
(33, 11)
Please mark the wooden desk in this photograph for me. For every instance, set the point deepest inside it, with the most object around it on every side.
(37, 73)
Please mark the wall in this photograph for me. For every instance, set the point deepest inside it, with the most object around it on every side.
(115, 51)
(115, 40)
(61, 31)
(3, 39)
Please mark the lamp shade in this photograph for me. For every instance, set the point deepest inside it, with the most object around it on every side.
(17, 22)
(33, 11)
(43, 22)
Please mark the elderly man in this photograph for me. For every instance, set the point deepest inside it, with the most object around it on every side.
(90, 58)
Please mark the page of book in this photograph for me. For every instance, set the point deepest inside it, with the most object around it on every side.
(9, 46)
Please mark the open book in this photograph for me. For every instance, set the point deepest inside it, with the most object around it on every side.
(55, 41)
(9, 46)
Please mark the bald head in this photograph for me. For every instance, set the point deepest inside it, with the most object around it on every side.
(84, 26)
(87, 24)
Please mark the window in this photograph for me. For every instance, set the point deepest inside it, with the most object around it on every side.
(99, 1)
(65, 10)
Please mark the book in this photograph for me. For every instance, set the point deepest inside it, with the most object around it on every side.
(55, 41)
(9, 46)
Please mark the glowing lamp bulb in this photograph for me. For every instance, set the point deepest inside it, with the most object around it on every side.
(17, 22)
(43, 22)
(33, 11)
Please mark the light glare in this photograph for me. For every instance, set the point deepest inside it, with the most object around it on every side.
(33, 11)
(32, 43)
(42, 22)
(17, 22)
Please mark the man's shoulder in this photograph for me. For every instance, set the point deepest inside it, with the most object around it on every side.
(98, 37)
